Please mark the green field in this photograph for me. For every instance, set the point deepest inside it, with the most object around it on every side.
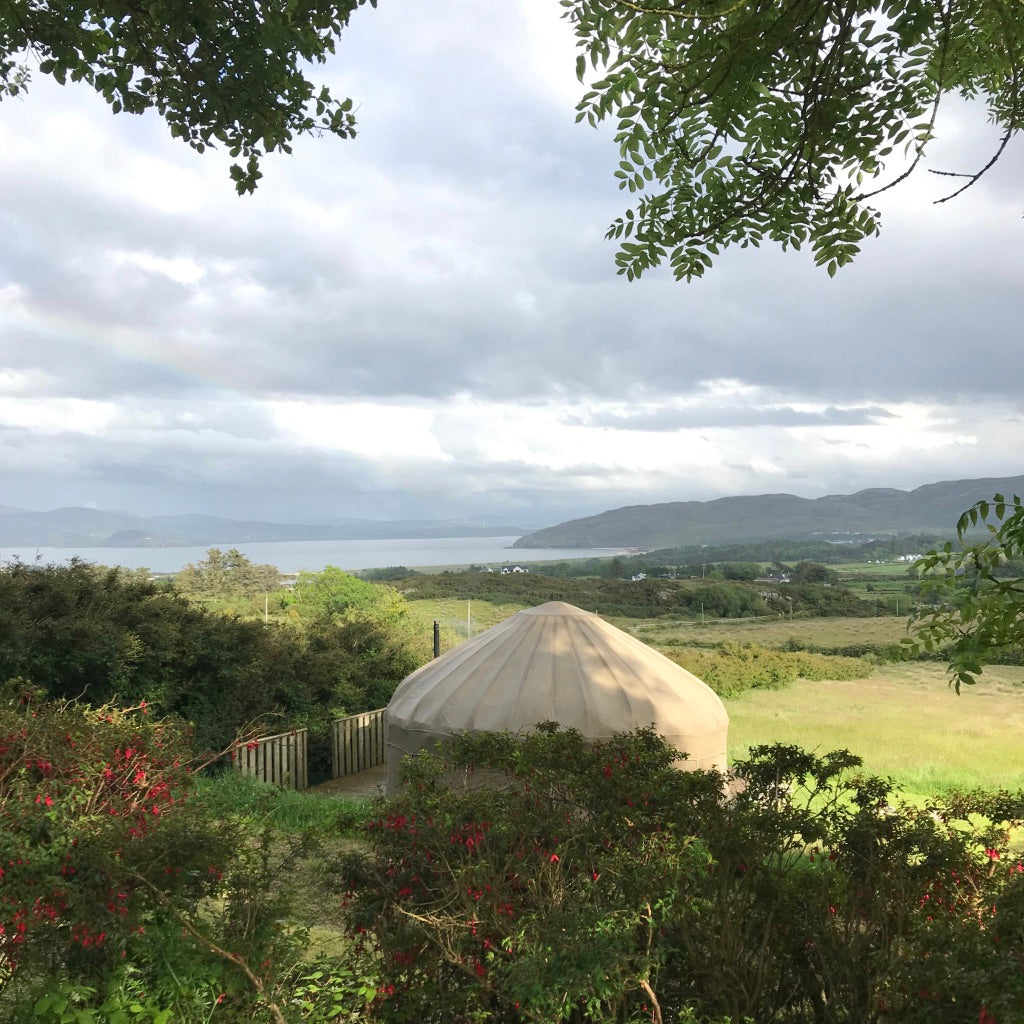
(904, 721)
(770, 632)
(453, 614)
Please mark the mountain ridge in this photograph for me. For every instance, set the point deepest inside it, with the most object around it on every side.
(74, 526)
(930, 508)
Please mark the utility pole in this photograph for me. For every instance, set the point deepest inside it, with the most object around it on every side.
(469, 605)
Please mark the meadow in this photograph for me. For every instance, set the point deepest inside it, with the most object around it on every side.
(770, 632)
(904, 721)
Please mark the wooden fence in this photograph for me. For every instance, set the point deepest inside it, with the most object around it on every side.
(279, 759)
(357, 743)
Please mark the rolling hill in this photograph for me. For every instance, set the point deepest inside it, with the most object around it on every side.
(933, 508)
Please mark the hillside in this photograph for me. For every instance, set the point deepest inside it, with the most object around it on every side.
(932, 508)
(87, 527)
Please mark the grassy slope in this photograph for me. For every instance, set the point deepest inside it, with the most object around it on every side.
(904, 721)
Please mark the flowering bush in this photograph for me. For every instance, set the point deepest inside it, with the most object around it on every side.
(596, 883)
(105, 855)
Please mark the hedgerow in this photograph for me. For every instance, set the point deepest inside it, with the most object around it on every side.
(84, 632)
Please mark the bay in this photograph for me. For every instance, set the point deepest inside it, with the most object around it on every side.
(313, 555)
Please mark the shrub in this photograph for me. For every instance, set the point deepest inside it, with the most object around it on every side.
(732, 668)
(110, 862)
(597, 884)
(85, 632)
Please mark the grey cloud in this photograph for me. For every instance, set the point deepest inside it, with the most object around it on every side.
(456, 247)
(668, 419)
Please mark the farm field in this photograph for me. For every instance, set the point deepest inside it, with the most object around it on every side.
(451, 613)
(770, 632)
(904, 721)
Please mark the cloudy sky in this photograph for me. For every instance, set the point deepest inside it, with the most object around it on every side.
(426, 322)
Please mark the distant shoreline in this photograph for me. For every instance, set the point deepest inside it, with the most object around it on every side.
(420, 553)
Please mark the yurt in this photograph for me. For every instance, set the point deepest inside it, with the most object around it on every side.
(555, 663)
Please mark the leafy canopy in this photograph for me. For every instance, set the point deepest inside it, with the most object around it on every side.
(221, 72)
(227, 574)
(739, 121)
(976, 611)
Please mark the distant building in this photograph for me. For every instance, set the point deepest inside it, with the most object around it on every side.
(513, 568)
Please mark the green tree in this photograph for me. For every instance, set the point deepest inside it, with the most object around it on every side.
(748, 571)
(334, 591)
(811, 572)
(975, 611)
(227, 574)
(739, 121)
(228, 74)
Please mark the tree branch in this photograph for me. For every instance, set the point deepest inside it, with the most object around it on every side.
(239, 961)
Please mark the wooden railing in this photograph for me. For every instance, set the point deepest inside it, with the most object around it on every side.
(357, 743)
(279, 759)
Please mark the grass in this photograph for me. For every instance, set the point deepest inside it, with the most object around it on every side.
(289, 811)
(771, 632)
(904, 721)
(451, 613)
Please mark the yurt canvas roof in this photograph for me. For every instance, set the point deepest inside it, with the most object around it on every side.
(555, 663)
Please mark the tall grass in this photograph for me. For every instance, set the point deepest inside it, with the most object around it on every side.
(452, 613)
(288, 811)
(904, 721)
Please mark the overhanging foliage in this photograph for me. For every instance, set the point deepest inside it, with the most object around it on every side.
(739, 121)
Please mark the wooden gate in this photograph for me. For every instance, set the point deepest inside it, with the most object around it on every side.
(357, 743)
(279, 759)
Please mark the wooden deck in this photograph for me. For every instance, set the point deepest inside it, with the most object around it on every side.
(366, 783)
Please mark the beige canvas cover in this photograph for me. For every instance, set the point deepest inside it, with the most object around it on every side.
(555, 663)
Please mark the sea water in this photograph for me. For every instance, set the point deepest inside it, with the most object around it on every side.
(313, 555)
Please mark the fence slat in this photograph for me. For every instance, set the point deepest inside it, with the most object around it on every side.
(279, 759)
(357, 743)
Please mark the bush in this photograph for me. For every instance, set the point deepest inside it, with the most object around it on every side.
(102, 635)
(733, 668)
(110, 864)
(597, 883)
